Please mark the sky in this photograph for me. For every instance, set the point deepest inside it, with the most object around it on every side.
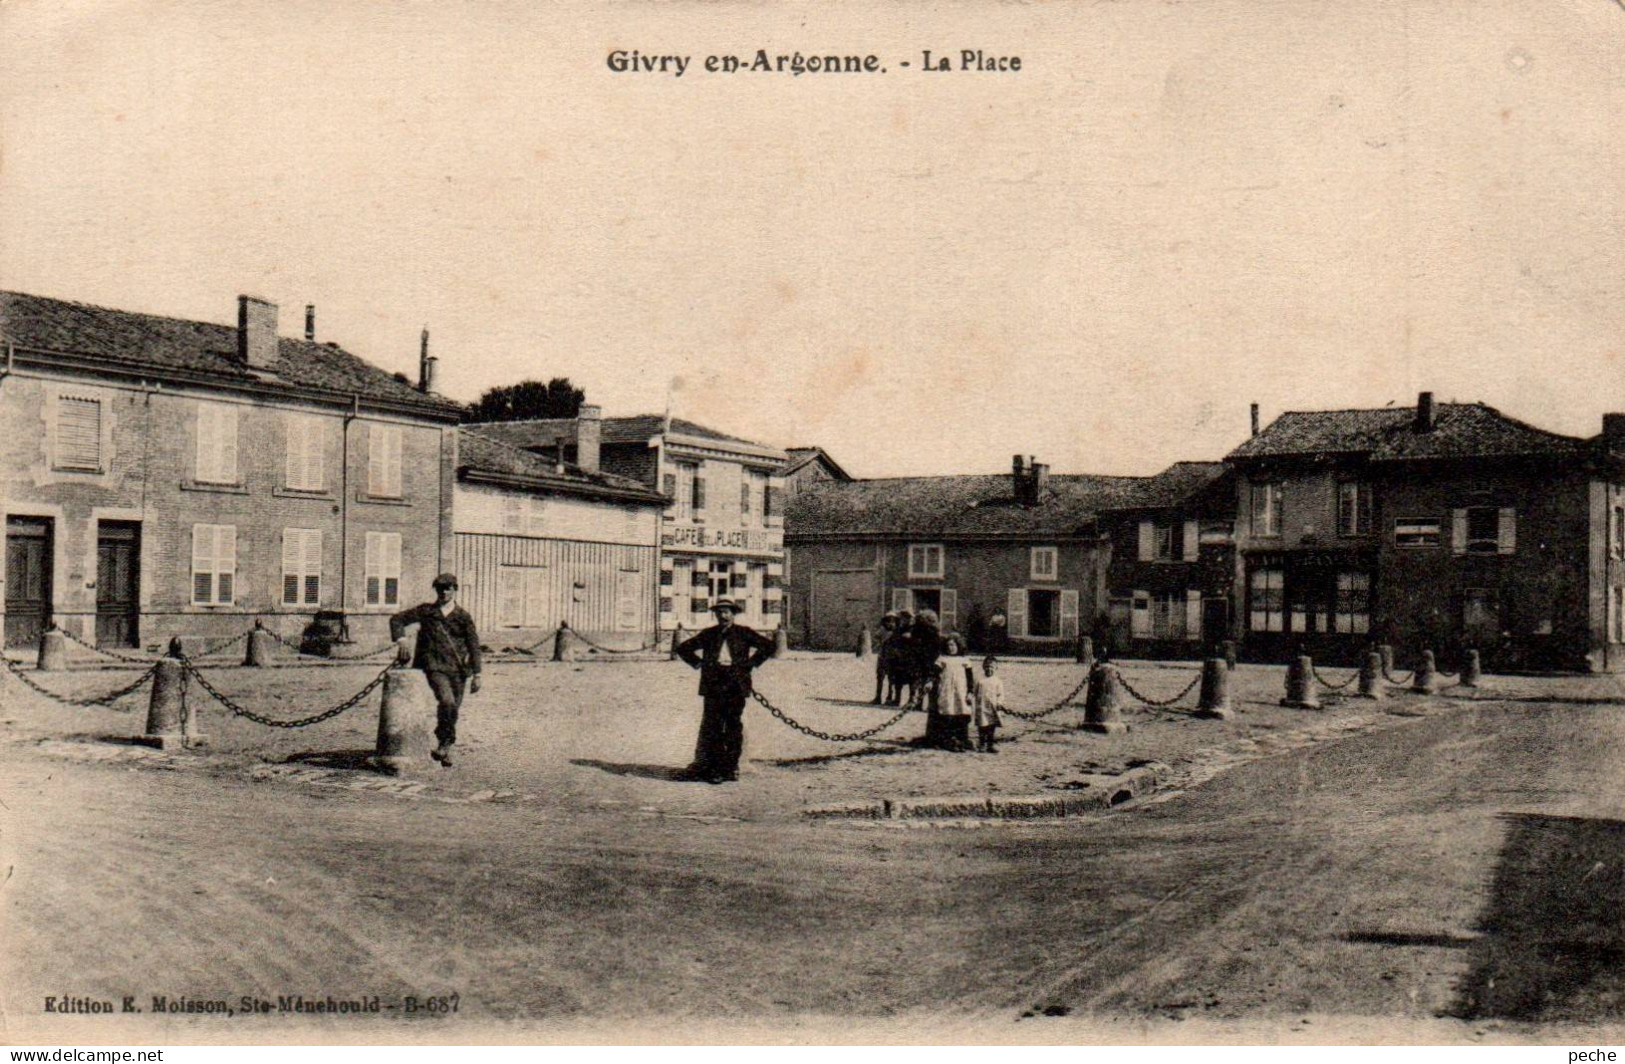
(1173, 210)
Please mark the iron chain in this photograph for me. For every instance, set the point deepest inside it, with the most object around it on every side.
(784, 718)
(1068, 700)
(271, 722)
(115, 655)
(1335, 686)
(644, 649)
(1156, 703)
(99, 700)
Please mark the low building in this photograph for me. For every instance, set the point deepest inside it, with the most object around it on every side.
(722, 533)
(1443, 526)
(1172, 571)
(807, 466)
(541, 543)
(1014, 561)
(169, 477)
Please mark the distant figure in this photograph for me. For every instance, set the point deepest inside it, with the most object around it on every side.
(952, 705)
(888, 625)
(725, 654)
(900, 662)
(988, 699)
(448, 652)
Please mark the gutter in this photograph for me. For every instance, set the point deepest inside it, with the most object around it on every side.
(563, 487)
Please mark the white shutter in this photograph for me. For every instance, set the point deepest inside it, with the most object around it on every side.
(1148, 541)
(305, 452)
(1193, 614)
(1458, 531)
(392, 568)
(510, 596)
(1016, 612)
(228, 445)
(1191, 534)
(1506, 537)
(370, 569)
(1069, 614)
(311, 592)
(225, 563)
(202, 563)
(950, 609)
(78, 433)
(1140, 623)
(393, 474)
(291, 558)
(208, 443)
(901, 599)
(376, 448)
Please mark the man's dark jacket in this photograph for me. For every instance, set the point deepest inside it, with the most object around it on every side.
(748, 648)
(446, 641)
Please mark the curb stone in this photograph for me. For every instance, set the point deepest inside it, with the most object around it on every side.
(1134, 783)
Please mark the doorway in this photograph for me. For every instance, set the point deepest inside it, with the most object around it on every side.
(118, 584)
(28, 579)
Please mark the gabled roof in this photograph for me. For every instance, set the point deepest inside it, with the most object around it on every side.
(481, 458)
(544, 432)
(1175, 486)
(952, 506)
(200, 350)
(801, 457)
(1390, 434)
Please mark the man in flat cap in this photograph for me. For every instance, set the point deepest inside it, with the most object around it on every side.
(448, 652)
(725, 654)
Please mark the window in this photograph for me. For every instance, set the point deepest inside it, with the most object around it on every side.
(216, 443)
(1168, 615)
(696, 500)
(1266, 509)
(306, 442)
(1216, 531)
(753, 498)
(925, 561)
(1616, 533)
(1353, 509)
(1045, 563)
(1353, 603)
(1480, 614)
(78, 434)
(1043, 614)
(522, 596)
(1416, 532)
(383, 568)
(1483, 529)
(1162, 542)
(384, 461)
(301, 567)
(214, 564)
(1266, 601)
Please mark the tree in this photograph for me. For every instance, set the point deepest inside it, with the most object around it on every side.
(527, 400)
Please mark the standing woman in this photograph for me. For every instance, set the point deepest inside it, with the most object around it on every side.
(888, 625)
(925, 647)
(900, 667)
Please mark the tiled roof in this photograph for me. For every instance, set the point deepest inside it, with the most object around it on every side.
(1173, 486)
(479, 453)
(1461, 430)
(800, 457)
(195, 347)
(952, 506)
(542, 432)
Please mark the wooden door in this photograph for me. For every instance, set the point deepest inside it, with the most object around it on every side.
(28, 579)
(118, 583)
(842, 603)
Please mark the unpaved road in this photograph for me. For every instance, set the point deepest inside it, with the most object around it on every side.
(1466, 870)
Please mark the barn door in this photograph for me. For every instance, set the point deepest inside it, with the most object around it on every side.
(28, 579)
(118, 580)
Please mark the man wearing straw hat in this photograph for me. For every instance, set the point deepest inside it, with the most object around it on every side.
(725, 654)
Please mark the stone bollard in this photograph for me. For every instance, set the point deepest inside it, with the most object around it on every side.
(164, 726)
(866, 643)
(53, 650)
(1103, 710)
(1471, 670)
(1215, 702)
(676, 640)
(1385, 651)
(1427, 676)
(781, 642)
(1229, 648)
(1086, 650)
(1371, 677)
(1300, 684)
(261, 647)
(406, 716)
(563, 647)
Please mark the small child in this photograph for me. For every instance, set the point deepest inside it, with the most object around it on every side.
(989, 699)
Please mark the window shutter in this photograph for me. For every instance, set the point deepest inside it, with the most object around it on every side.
(950, 609)
(202, 563)
(370, 569)
(1193, 614)
(1190, 543)
(375, 459)
(1506, 538)
(225, 563)
(227, 421)
(901, 598)
(313, 566)
(290, 565)
(668, 485)
(1069, 614)
(699, 493)
(1148, 541)
(1015, 608)
(1140, 624)
(79, 433)
(208, 435)
(773, 504)
(1458, 531)
(392, 474)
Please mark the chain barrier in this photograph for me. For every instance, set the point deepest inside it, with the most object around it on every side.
(84, 703)
(288, 644)
(1156, 703)
(1335, 686)
(644, 649)
(271, 722)
(144, 659)
(505, 652)
(1053, 709)
(215, 648)
(851, 737)
(1391, 678)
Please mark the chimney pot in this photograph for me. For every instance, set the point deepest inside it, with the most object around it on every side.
(310, 321)
(1255, 419)
(1426, 416)
(589, 437)
(1040, 481)
(256, 332)
(428, 366)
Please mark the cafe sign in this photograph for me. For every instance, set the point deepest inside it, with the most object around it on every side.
(699, 537)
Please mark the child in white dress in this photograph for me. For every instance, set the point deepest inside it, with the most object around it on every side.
(988, 700)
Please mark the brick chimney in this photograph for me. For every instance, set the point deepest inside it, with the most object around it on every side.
(310, 322)
(427, 366)
(1040, 481)
(1255, 419)
(1018, 478)
(1426, 417)
(256, 333)
(589, 437)
(1613, 432)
